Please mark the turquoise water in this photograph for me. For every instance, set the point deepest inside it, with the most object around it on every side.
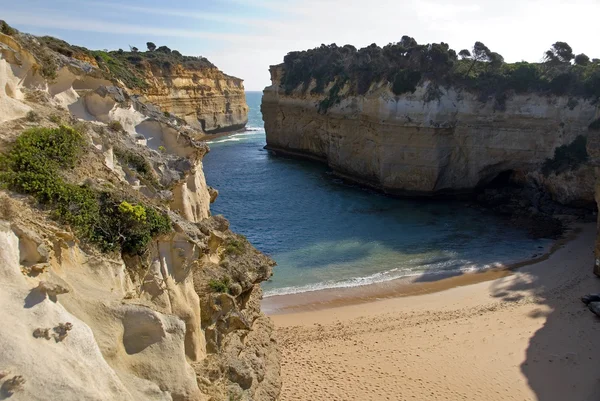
(325, 234)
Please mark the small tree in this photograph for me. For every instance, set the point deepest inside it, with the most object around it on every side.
(151, 46)
(480, 53)
(560, 52)
(133, 49)
(163, 49)
(464, 54)
(408, 42)
(496, 60)
(582, 59)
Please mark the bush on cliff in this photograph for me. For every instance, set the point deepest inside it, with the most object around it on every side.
(405, 64)
(33, 165)
(567, 157)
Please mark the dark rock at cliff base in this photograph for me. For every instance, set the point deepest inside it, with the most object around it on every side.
(595, 307)
(587, 299)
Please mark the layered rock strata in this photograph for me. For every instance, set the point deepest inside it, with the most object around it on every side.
(412, 145)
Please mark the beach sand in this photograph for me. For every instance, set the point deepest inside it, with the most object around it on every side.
(524, 336)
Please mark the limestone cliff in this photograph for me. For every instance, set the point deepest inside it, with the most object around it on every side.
(207, 98)
(189, 88)
(406, 144)
(178, 319)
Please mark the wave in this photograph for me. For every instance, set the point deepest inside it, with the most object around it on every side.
(239, 136)
(226, 140)
(376, 278)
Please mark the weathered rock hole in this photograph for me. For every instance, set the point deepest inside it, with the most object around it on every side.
(141, 330)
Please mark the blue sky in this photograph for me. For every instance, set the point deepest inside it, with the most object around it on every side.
(244, 37)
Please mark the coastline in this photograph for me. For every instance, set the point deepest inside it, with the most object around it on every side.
(399, 287)
(522, 335)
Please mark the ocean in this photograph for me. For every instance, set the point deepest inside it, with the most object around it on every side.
(324, 233)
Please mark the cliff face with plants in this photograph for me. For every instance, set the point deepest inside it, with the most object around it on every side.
(412, 119)
(190, 88)
(117, 282)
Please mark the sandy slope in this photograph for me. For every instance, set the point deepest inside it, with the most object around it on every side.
(522, 337)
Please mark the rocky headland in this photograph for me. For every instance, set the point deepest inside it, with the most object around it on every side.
(421, 121)
(116, 281)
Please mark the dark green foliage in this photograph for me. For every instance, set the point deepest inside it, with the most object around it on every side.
(333, 97)
(33, 167)
(560, 52)
(151, 46)
(406, 64)
(405, 81)
(55, 118)
(567, 157)
(221, 285)
(582, 59)
(464, 53)
(122, 228)
(136, 162)
(32, 116)
(115, 126)
(7, 29)
(163, 49)
(119, 67)
(235, 246)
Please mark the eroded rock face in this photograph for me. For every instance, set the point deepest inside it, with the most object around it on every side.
(409, 145)
(207, 98)
(80, 324)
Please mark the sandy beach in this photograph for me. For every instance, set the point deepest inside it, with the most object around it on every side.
(521, 336)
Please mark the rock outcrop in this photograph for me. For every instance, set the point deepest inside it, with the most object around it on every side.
(409, 145)
(179, 321)
(207, 98)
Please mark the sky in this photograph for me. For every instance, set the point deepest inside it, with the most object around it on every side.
(244, 37)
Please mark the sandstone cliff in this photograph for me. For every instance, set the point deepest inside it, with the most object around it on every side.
(408, 144)
(190, 88)
(175, 319)
(207, 98)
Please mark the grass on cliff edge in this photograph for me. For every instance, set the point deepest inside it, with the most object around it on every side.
(33, 165)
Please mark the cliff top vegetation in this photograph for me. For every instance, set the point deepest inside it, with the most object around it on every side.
(406, 63)
(127, 66)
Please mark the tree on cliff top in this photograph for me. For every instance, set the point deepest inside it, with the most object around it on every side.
(480, 53)
(582, 59)
(560, 52)
(464, 54)
(151, 46)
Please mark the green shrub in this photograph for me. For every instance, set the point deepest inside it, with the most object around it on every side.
(115, 126)
(404, 65)
(235, 246)
(221, 285)
(33, 166)
(405, 81)
(32, 116)
(7, 29)
(55, 118)
(567, 157)
(136, 162)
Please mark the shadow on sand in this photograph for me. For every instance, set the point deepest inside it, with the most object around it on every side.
(562, 358)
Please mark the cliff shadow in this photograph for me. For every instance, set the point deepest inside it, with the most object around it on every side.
(562, 356)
